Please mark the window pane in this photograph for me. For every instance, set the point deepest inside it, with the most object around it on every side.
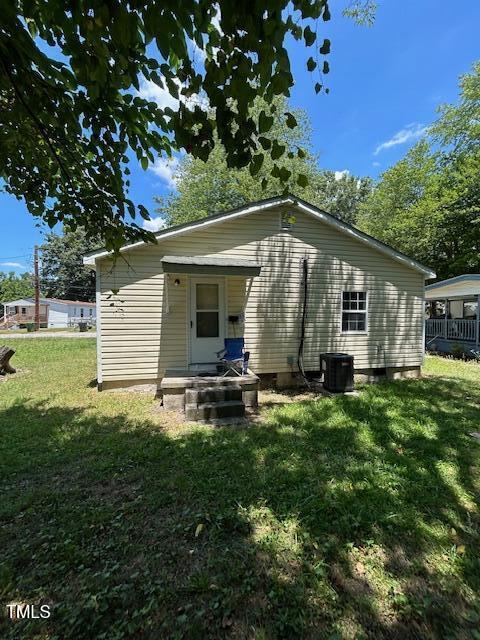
(469, 309)
(353, 322)
(207, 296)
(207, 324)
(354, 300)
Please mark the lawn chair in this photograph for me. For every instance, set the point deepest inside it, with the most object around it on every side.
(234, 357)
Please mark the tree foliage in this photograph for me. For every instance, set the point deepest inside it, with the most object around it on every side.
(72, 115)
(62, 273)
(14, 287)
(207, 187)
(428, 204)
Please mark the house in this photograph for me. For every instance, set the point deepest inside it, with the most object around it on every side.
(453, 315)
(167, 307)
(53, 312)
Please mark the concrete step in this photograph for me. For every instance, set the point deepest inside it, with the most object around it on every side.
(215, 410)
(204, 395)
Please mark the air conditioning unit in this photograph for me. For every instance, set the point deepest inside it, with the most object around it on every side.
(337, 370)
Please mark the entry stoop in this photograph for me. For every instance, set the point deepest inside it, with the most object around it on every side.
(210, 398)
(214, 403)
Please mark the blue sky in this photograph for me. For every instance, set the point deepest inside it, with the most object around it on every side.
(385, 85)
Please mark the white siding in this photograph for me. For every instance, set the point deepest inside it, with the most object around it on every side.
(57, 315)
(144, 328)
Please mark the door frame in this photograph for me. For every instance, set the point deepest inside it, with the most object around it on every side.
(191, 280)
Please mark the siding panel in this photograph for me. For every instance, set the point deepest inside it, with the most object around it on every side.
(144, 326)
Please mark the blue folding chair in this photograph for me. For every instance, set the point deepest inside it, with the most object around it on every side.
(233, 356)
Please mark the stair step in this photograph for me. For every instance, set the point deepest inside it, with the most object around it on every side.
(215, 410)
(207, 395)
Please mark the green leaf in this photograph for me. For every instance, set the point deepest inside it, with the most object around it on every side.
(277, 150)
(302, 180)
(318, 87)
(265, 142)
(256, 164)
(309, 36)
(290, 121)
(326, 67)
(311, 64)
(144, 163)
(264, 122)
(325, 48)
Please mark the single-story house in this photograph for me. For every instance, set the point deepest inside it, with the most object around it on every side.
(54, 312)
(453, 315)
(257, 272)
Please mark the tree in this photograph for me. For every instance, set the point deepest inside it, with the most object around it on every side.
(210, 186)
(428, 204)
(63, 274)
(14, 287)
(72, 115)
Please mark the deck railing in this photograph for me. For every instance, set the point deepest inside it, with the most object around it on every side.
(451, 329)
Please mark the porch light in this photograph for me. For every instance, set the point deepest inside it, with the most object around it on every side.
(176, 282)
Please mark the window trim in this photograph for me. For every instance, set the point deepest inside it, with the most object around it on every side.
(354, 331)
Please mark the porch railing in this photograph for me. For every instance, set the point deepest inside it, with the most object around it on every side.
(452, 329)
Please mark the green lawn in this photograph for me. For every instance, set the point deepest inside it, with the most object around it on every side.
(353, 517)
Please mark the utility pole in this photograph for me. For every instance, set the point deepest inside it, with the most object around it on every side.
(37, 290)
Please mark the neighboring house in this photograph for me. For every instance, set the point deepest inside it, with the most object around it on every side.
(53, 312)
(453, 315)
(169, 305)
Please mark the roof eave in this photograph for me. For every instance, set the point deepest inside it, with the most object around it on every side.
(90, 260)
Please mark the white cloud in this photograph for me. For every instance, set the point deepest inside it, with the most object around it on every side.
(151, 91)
(376, 164)
(17, 265)
(411, 132)
(339, 175)
(165, 169)
(155, 224)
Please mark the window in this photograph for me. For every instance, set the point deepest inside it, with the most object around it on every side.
(354, 311)
(207, 311)
(90, 312)
(24, 311)
(469, 310)
(81, 312)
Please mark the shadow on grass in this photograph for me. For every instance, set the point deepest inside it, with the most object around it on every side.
(352, 517)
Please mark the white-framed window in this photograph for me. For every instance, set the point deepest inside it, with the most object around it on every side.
(90, 312)
(354, 311)
(24, 311)
(81, 312)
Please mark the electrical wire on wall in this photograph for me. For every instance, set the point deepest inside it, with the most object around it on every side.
(304, 269)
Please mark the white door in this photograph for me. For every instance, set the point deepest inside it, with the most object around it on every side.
(207, 319)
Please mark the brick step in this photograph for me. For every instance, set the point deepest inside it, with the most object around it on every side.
(215, 410)
(207, 395)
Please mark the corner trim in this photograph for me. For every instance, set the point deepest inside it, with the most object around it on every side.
(98, 301)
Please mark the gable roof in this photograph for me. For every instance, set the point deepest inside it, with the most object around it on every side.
(269, 203)
(463, 278)
(27, 302)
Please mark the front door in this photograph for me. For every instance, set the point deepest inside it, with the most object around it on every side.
(207, 319)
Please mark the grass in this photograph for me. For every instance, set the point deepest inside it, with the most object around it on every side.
(352, 517)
